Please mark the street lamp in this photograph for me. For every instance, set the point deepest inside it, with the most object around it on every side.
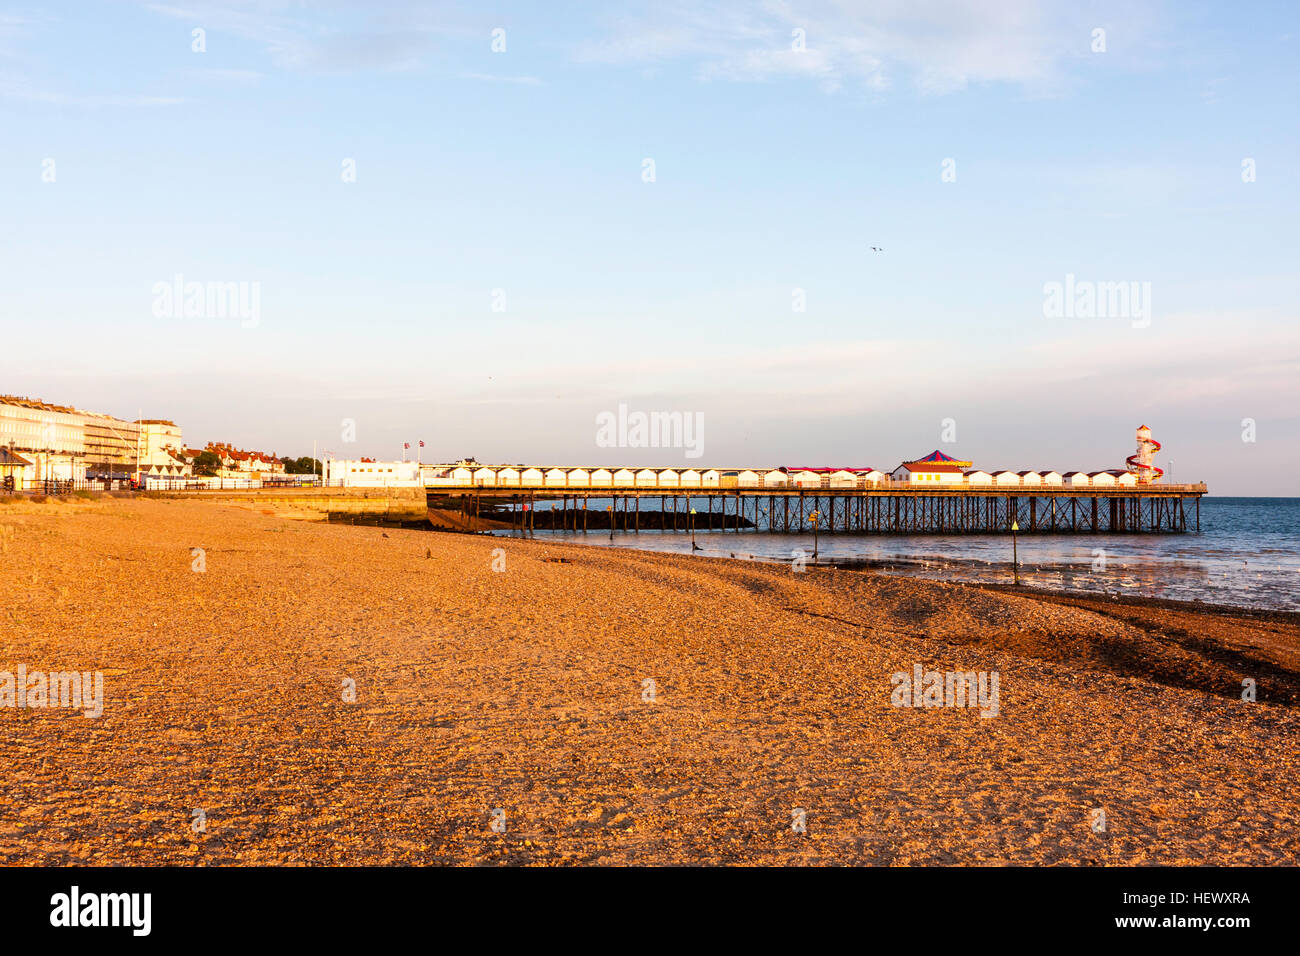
(813, 517)
(610, 509)
(694, 547)
(1015, 555)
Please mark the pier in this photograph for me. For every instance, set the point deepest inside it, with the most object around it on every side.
(887, 507)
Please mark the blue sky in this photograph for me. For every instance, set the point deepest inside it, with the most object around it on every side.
(775, 169)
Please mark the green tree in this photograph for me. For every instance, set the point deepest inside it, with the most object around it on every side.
(207, 463)
(301, 466)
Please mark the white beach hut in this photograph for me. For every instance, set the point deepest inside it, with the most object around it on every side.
(579, 477)
(669, 478)
(690, 478)
(1050, 477)
(624, 478)
(711, 478)
(602, 478)
(485, 476)
(1006, 478)
(977, 477)
(1078, 479)
(647, 478)
(532, 477)
(747, 478)
(1101, 478)
(1030, 478)
(508, 476)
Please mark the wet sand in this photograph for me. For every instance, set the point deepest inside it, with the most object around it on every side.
(523, 690)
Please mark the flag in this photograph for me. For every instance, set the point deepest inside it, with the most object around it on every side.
(406, 444)
(421, 444)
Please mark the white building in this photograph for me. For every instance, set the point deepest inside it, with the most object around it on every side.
(368, 473)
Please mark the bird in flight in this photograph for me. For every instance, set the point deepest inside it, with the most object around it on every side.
(877, 249)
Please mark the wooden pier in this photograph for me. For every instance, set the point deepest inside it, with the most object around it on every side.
(887, 508)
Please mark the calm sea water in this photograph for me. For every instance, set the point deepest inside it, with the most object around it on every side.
(1247, 554)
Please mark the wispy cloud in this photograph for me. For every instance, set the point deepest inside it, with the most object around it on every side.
(496, 78)
(939, 46)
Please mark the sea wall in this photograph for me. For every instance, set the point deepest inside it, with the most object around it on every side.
(323, 504)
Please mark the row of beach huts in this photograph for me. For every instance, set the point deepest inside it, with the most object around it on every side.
(473, 474)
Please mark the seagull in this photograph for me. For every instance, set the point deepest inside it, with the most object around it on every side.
(877, 249)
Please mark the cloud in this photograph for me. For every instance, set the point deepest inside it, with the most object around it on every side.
(940, 46)
(496, 78)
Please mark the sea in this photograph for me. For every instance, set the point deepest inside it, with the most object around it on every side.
(1247, 554)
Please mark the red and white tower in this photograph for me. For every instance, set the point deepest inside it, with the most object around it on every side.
(1140, 463)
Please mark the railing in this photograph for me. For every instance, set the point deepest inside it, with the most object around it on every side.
(239, 484)
(825, 484)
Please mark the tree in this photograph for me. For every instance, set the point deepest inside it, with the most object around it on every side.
(301, 466)
(206, 463)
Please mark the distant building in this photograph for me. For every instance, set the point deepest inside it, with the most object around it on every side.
(62, 442)
(237, 463)
(369, 473)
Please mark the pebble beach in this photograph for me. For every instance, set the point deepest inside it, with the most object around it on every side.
(302, 693)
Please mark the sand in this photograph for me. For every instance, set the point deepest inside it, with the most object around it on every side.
(523, 691)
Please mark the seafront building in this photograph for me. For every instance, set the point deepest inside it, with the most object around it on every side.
(369, 473)
(62, 443)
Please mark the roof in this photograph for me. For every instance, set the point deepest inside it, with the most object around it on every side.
(937, 457)
(8, 457)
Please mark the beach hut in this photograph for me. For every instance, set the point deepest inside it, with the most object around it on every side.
(647, 478)
(690, 478)
(485, 476)
(747, 478)
(1102, 478)
(462, 476)
(1050, 477)
(776, 478)
(1006, 478)
(14, 469)
(977, 477)
(1126, 479)
(579, 477)
(556, 477)
(1030, 478)
(624, 478)
(803, 478)
(843, 478)
(1078, 479)
(532, 477)
(711, 478)
(872, 476)
(508, 476)
(669, 478)
(602, 478)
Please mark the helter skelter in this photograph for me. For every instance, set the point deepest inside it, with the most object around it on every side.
(1140, 463)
